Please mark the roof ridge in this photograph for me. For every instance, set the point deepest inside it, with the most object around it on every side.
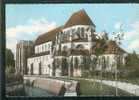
(79, 18)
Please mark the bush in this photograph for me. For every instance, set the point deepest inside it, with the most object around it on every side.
(11, 78)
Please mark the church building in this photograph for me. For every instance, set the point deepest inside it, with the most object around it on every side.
(74, 49)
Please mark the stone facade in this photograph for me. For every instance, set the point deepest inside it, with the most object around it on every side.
(24, 49)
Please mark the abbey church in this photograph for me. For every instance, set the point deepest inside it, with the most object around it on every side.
(73, 49)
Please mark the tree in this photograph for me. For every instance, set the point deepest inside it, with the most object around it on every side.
(118, 37)
(132, 65)
(105, 35)
(10, 62)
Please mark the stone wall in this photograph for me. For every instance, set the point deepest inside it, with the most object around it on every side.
(56, 86)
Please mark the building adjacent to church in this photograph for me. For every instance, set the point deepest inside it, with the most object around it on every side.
(74, 49)
(24, 49)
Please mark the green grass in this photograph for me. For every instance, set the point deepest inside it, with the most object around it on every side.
(88, 88)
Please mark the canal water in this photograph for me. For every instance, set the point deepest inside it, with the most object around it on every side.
(36, 92)
(31, 92)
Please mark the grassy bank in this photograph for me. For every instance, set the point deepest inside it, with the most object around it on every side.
(88, 88)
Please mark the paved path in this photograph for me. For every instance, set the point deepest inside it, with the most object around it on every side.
(128, 87)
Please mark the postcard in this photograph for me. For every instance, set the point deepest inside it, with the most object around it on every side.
(72, 50)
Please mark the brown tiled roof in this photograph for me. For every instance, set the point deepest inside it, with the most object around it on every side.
(109, 47)
(75, 40)
(113, 48)
(80, 52)
(40, 54)
(79, 18)
(49, 36)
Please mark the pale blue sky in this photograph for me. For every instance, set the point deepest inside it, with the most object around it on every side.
(104, 16)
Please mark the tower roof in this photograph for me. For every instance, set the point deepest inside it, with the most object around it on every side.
(79, 18)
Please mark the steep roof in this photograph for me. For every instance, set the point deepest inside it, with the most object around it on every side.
(48, 36)
(109, 47)
(79, 18)
(40, 54)
(113, 48)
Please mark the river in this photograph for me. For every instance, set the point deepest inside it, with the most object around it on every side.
(31, 92)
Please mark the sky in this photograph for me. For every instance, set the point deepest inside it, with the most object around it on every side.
(28, 21)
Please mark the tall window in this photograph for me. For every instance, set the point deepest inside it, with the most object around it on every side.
(76, 62)
(40, 72)
(82, 30)
(42, 48)
(31, 70)
(65, 48)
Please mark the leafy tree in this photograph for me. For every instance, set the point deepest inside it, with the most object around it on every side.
(105, 35)
(10, 62)
(132, 65)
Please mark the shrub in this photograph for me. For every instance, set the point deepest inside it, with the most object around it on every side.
(10, 78)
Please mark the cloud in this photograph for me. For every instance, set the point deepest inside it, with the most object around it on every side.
(132, 37)
(28, 31)
(134, 44)
(37, 26)
(118, 25)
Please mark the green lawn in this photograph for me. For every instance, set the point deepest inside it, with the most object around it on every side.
(88, 88)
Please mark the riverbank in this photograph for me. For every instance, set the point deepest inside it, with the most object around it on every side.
(42, 86)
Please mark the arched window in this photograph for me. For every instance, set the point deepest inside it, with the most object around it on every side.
(80, 47)
(65, 48)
